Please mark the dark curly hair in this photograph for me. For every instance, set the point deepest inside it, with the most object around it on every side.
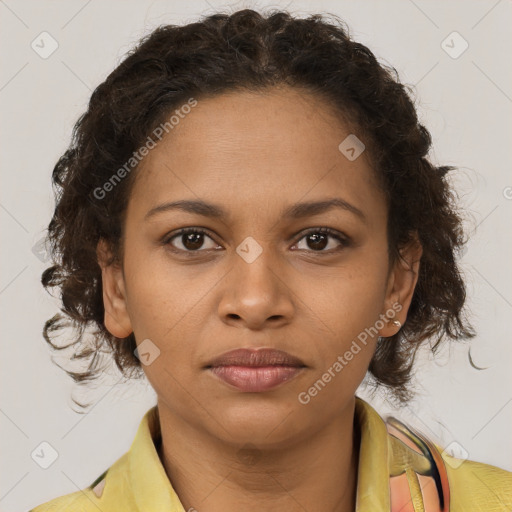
(252, 51)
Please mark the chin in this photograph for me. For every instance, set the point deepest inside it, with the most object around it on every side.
(266, 424)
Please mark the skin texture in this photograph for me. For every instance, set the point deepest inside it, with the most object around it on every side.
(256, 154)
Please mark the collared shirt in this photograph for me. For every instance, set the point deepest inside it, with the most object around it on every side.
(138, 482)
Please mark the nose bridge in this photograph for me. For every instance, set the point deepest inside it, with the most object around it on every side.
(256, 263)
(255, 290)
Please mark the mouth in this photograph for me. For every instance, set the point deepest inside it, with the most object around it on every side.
(256, 357)
(253, 371)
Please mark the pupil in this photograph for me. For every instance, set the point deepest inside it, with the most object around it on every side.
(316, 237)
(193, 240)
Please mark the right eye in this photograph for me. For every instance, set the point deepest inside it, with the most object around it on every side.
(190, 239)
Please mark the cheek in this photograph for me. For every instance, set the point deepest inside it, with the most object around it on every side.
(168, 308)
(348, 313)
(353, 296)
(349, 310)
(152, 298)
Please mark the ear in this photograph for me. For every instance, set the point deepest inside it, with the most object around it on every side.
(117, 320)
(400, 288)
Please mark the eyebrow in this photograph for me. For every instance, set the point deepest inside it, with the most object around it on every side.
(296, 211)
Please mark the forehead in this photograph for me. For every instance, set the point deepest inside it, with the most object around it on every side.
(251, 149)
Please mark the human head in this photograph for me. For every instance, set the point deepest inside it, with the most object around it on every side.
(247, 51)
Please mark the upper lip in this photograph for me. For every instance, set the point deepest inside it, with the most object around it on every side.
(256, 357)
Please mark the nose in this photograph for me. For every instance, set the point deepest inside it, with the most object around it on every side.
(255, 291)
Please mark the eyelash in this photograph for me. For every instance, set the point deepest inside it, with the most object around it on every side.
(344, 240)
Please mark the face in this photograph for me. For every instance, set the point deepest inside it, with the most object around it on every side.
(255, 276)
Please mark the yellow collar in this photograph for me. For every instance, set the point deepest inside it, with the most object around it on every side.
(373, 470)
(152, 490)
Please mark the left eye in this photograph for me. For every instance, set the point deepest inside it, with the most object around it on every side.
(318, 239)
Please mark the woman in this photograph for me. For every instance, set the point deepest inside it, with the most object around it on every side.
(247, 216)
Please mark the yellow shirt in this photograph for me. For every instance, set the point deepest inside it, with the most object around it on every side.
(137, 481)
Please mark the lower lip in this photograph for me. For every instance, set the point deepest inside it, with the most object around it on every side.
(255, 378)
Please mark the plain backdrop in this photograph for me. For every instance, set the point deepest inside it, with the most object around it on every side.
(465, 102)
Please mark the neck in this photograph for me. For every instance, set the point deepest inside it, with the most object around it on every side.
(210, 474)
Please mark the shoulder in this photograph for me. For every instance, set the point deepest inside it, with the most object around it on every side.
(84, 500)
(461, 484)
(76, 502)
(93, 497)
(136, 481)
(477, 486)
(79, 501)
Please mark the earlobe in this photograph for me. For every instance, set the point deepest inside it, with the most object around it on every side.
(401, 285)
(117, 320)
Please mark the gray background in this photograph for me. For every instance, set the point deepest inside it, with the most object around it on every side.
(466, 104)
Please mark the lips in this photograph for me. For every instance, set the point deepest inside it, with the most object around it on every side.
(256, 357)
(255, 371)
